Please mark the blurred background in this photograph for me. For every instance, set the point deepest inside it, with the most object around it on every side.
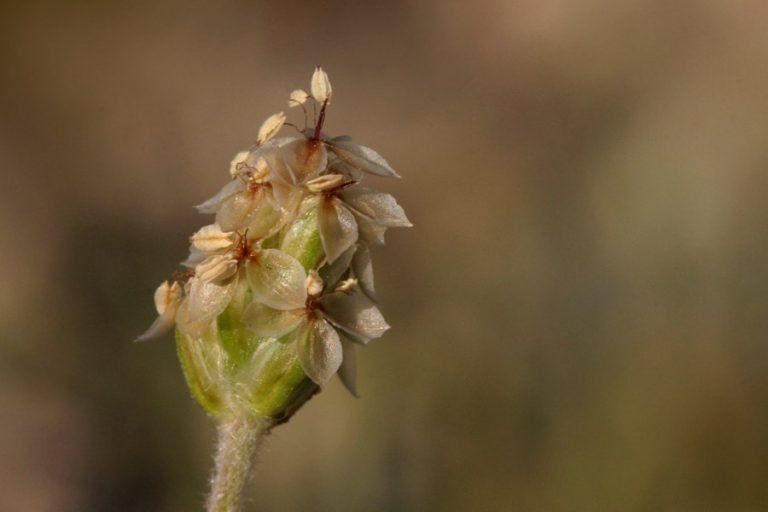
(579, 314)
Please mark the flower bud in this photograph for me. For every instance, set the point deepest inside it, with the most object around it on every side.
(297, 98)
(270, 127)
(321, 86)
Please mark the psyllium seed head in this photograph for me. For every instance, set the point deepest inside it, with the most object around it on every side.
(280, 283)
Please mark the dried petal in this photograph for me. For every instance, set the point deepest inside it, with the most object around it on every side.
(271, 323)
(302, 160)
(281, 172)
(270, 127)
(370, 233)
(321, 86)
(277, 280)
(237, 212)
(266, 220)
(269, 147)
(297, 98)
(338, 228)
(362, 158)
(212, 204)
(256, 210)
(355, 314)
(333, 272)
(207, 299)
(211, 238)
(339, 167)
(362, 267)
(161, 325)
(348, 369)
(319, 350)
(285, 196)
(196, 256)
(379, 207)
(197, 328)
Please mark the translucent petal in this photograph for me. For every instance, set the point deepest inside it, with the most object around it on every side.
(320, 85)
(277, 280)
(270, 127)
(161, 325)
(304, 159)
(266, 220)
(362, 158)
(348, 368)
(269, 148)
(212, 204)
(344, 168)
(355, 314)
(271, 323)
(207, 300)
(240, 210)
(333, 272)
(280, 171)
(285, 197)
(370, 232)
(338, 227)
(196, 256)
(362, 267)
(379, 207)
(319, 350)
(193, 328)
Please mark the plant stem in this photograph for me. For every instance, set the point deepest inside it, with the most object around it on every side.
(239, 436)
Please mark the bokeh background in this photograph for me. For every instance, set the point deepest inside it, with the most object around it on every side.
(579, 314)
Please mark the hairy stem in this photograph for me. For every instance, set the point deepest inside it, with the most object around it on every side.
(239, 437)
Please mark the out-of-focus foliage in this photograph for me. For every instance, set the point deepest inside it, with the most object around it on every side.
(579, 313)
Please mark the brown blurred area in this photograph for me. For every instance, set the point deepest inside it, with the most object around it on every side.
(579, 314)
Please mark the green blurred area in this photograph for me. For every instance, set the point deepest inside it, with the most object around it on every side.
(579, 314)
